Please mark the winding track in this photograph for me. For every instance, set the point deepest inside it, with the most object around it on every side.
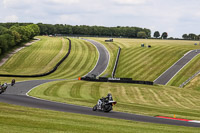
(17, 95)
(103, 60)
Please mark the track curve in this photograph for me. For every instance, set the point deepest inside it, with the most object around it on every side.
(17, 95)
(103, 60)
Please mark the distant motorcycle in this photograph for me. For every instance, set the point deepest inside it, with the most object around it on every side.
(3, 88)
(13, 82)
(105, 106)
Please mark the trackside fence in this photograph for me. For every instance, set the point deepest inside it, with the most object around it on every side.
(117, 80)
(188, 80)
(116, 63)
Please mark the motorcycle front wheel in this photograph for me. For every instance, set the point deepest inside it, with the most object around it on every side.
(94, 108)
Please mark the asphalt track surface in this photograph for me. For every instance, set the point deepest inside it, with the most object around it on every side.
(174, 69)
(103, 60)
(17, 95)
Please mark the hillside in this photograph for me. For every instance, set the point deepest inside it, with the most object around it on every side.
(143, 63)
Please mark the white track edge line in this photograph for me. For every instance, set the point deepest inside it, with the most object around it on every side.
(194, 121)
(99, 56)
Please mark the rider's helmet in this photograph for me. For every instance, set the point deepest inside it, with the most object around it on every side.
(109, 97)
(109, 94)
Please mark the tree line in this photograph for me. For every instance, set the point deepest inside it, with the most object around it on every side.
(131, 32)
(191, 36)
(13, 34)
(63, 29)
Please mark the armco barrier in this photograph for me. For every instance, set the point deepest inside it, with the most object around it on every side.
(116, 63)
(43, 74)
(117, 80)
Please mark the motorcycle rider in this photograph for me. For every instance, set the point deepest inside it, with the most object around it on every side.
(12, 82)
(106, 99)
(109, 97)
(4, 86)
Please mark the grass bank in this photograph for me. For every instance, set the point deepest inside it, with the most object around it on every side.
(15, 119)
(132, 98)
(43, 55)
(143, 63)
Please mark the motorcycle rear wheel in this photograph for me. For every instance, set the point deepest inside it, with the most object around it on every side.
(107, 108)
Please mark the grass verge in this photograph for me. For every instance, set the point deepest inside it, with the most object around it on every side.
(15, 119)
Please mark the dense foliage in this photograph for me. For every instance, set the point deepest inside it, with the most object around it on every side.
(156, 34)
(63, 29)
(164, 35)
(15, 34)
(133, 32)
(191, 36)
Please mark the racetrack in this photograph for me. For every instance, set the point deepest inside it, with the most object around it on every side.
(174, 69)
(17, 95)
(103, 60)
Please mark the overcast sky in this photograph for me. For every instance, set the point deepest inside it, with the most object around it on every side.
(173, 16)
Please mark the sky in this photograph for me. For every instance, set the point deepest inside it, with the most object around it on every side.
(176, 17)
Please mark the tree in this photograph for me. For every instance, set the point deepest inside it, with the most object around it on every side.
(156, 34)
(192, 36)
(148, 32)
(35, 30)
(2, 30)
(185, 36)
(17, 36)
(141, 34)
(164, 35)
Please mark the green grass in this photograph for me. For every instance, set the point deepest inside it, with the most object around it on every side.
(135, 62)
(36, 58)
(43, 55)
(82, 59)
(194, 84)
(145, 63)
(132, 98)
(15, 119)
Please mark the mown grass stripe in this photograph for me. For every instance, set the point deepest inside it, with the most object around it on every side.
(150, 68)
(133, 66)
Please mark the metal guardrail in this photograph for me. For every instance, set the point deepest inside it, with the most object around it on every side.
(116, 63)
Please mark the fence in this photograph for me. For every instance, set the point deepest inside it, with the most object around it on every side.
(116, 63)
(188, 80)
(117, 80)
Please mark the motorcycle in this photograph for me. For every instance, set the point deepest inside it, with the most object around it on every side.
(3, 88)
(13, 82)
(106, 106)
